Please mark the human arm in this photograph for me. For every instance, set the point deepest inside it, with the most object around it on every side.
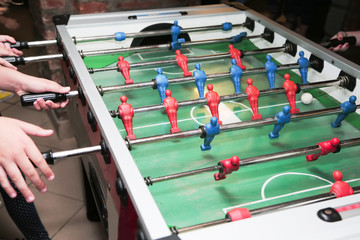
(18, 152)
(19, 83)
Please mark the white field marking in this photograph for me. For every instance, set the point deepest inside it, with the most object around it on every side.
(225, 114)
(288, 173)
(195, 118)
(243, 110)
(192, 116)
(225, 210)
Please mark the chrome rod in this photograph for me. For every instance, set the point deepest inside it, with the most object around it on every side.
(84, 54)
(43, 58)
(184, 174)
(152, 33)
(190, 59)
(237, 126)
(42, 43)
(76, 152)
(257, 159)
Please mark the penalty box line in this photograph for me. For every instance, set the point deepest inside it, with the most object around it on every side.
(225, 210)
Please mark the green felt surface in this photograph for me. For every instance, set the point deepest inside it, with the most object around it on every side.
(196, 199)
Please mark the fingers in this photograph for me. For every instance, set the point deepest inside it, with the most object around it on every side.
(340, 48)
(37, 158)
(41, 104)
(15, 175)
(32, 129)
(7, 64)
(4, 38)
(5, 184)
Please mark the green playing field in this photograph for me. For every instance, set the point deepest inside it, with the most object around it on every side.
(196, 199)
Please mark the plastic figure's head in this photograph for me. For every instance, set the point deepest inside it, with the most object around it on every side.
(168, 93)
(334, 142)
(352, 99)
(197, 66)
(175, 22)
(287, 76)
(233, 61)
(123, 99)
(301, 53)
(249, 81)
(177, 52)
(235, 161)
(337, 175)
(286, 109)
(268, 57)
(121, 58)
(159, 70)
(210, 87)
(231, 46)
(213, 121)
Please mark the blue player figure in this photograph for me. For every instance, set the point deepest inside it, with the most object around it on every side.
(347, 107)
(212, 128)
(271, 68)
(303, 68)
(236, 73)
(200, 79)
(282, 118)
(162, 83)
(175, 31)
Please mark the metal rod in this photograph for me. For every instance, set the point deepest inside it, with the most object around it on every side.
(167, 46)
(72, 94)
(43, 58)
(153, 33)
(190, 59)
(257, 159)
(237, 126)
(265, 92)
(164, 137)
(184, 174)
(299, 202)
(213, 76)
(42, 43)
(76, 152)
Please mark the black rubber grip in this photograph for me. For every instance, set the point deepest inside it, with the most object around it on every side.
(15, 60)
(19, 45)
(29, 99)
(335, 42)
(48, 156)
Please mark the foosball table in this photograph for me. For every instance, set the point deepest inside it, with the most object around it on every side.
(175, 103)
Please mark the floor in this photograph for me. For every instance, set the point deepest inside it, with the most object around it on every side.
(62, 209)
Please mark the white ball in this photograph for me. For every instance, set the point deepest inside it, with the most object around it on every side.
(306, 98)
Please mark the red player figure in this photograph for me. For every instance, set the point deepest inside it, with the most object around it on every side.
(171, 107)
(126, 113)
(124, 68)
(340, 188)
(213, 100)
(290, 91)
(227, 166)
(253, 96)
(236, 54)
(326, 148)
(238, 214)
(182, 61)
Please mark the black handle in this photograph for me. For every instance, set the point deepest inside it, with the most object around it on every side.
(15, 60)
(335, 42)
(48, 156)
(29, 99)
(19, 45)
